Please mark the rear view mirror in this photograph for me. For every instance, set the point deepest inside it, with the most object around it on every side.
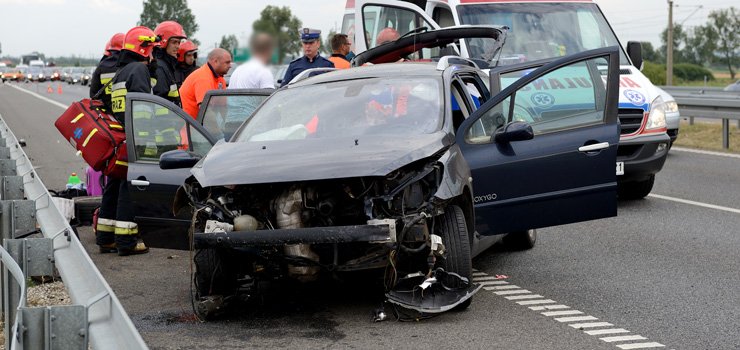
(634, 50)
(178, 159)
(514, 131)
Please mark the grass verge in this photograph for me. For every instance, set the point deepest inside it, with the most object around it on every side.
(707, 136)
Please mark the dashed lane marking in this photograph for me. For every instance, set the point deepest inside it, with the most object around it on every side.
(41, 97)
(700, 151)
(698, 204)
(577, 319)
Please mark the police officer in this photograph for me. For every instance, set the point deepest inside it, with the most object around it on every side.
(106, 69)
(116, 227)
(187, 61)
(170, 33)
(310, 41)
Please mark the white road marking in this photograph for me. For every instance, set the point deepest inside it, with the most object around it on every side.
(576, 319)
(525, 296)
(511, 286)
(622, 338)
(548, 307)
(700, 151)
(41, 97)
(479, 274)
(606, 331)
(535, 302)
(487, 278)
(591, 325)
(507, 292)
(562, 313)
(698, 204)
(640, 345)
(489, 283)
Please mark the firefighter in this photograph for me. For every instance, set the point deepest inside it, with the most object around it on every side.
(116, 227)
(187, 61)
(171, 34)
(106, 69)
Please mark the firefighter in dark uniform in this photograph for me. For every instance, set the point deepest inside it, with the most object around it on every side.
(106, 69)
(116, 229)
(171, 34)
(187, 61)
(310, 42)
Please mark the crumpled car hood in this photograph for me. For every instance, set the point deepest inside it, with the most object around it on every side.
(241, 163)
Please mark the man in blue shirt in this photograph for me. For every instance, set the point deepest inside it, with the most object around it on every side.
(310, 41)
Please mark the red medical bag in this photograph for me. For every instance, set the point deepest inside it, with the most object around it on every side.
(97, 136)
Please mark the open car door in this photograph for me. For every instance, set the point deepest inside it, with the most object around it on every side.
(542, 152)
(223, 111)
(155, 126)
(383, 19)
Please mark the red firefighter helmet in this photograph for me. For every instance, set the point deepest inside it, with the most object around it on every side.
(387, 34)
(168, 30)
(140, 40)
(186, 47)
(114, 44)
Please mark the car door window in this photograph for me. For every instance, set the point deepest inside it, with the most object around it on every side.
(157, 129)
(224, 114)
(569, 97)
(386, 23)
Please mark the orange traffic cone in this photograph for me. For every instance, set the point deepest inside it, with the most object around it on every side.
(60, 88)
(49, 89)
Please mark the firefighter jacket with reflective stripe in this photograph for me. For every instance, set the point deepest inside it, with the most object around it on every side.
(166, 85)
(133, 77)
(182, 71)
(102, 75)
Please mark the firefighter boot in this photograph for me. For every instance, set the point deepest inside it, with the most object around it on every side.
(140, 248)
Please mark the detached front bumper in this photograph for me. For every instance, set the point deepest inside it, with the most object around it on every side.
(312, 235)
(641, 156)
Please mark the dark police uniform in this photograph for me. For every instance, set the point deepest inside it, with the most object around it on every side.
(166, 86)
(105, 71)
(300, 64)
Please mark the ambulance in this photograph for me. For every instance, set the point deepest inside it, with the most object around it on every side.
(539, 30)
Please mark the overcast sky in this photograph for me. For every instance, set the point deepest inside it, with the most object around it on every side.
(82, 27)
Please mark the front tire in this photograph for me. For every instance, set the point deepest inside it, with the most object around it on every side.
(635, 189)
(213, 273)
(458, 257)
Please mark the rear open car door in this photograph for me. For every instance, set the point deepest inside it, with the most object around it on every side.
(565, 173)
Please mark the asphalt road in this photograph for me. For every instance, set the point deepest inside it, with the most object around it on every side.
(663, 273)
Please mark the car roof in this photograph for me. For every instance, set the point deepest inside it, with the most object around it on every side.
(374, 71)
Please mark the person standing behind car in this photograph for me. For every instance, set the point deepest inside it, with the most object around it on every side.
(208, 77)
(340, 46)
(310, 42)
(254, 74)
(107, 69)
(116, 229)
(170, 33)
(187, 57)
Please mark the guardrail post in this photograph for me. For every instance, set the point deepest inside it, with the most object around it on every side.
(691, 121)
(725, 133)
(11, 296)
(16, 216)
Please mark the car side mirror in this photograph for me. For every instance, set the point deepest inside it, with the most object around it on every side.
(514, 131)
(178, 159)
(634, 50)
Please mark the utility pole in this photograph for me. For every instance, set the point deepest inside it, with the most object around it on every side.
(669, 53)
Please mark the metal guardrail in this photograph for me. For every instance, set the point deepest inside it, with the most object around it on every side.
(97, 315)
(708, 102)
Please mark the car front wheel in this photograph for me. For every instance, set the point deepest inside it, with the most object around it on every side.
(635, 189)
(457, 245)
(213, 275)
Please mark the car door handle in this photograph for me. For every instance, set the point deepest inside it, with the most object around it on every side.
(594, 147)
(140, 183)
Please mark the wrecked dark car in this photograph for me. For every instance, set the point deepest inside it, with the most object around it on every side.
(410, 169)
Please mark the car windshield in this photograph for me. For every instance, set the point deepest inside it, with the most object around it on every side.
(34, 70)
(541, 30)
(399, 106)
(78, 70)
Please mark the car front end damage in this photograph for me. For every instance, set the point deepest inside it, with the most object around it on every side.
(311, 229)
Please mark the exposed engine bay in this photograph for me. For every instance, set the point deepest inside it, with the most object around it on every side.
(314, 229)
